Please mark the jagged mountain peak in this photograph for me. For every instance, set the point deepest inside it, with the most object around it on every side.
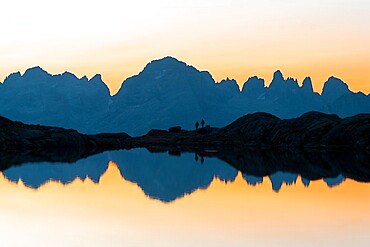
(166, 75)
(255, 80)
(96, 78)
(277, 80)
(334, 88)
(281, 85)
(335, 81)
(36, 71)
(307, 85)
(12, 77)
(278, 75)
(84, 78)
(166, 63)
(228, 80)
(254, 86)
(229, 84)
(307, 80)
(69, 75)
(168, 59)
(292, 79)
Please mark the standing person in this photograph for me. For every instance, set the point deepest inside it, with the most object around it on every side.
(197, 125)
(203, 123)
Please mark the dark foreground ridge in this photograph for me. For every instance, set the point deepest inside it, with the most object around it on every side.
(19, 136)
(23, 143)
(312, 130)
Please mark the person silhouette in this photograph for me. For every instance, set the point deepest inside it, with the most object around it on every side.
(203, 123)
(197, 125)
(196, 158)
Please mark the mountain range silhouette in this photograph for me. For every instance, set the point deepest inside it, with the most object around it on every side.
(166, 93)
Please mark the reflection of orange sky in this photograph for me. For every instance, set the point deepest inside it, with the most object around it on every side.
(117, 213)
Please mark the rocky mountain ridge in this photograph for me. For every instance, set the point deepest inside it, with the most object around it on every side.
(167, 92)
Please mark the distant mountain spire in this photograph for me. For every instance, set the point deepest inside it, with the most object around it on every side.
(254, 86)
(277, 80)
(278, 76)
(12, 77)
(228, 84)
(334, 88)
(307, 85)
(69, 75)
(166, 63)
(96, 78)
(84, 78)
(281, 86)
(35, 72)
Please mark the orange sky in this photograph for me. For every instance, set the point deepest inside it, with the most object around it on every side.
(117, 213)
(235, 39)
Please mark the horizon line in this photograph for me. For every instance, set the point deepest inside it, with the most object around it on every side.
(240, 86)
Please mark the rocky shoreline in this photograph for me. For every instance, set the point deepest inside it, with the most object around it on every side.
(312, 130)
(314, 145)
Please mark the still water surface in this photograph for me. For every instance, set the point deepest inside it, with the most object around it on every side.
(135, 198)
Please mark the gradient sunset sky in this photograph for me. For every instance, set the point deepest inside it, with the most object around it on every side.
(236, 39)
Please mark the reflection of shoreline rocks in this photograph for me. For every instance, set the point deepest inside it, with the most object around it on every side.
(309, 164)
(168, 177)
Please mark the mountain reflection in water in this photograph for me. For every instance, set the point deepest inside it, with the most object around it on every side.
(169, 177)
(103, 204)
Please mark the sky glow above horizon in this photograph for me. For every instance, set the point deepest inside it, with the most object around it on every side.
(235, 39)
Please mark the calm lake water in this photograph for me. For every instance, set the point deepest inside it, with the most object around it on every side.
(136, 198)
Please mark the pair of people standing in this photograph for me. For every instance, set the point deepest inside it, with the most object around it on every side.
(197, 124)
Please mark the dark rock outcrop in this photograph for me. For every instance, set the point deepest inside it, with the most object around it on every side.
(19, 136)
(311, 130)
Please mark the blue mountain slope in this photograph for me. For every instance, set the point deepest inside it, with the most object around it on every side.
(57, 100)
(166, 93)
